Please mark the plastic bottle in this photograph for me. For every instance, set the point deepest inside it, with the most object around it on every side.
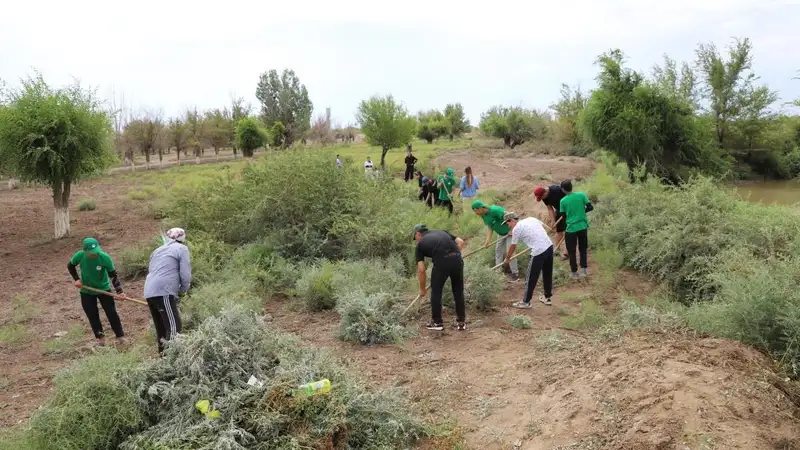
(317, 387)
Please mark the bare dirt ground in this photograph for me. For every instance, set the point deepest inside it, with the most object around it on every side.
(548, 387)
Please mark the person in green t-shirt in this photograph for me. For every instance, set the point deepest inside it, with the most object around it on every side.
(446, 184)
(97, 272)
(574, 206)
(492, 216)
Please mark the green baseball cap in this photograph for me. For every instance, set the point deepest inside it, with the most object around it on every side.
(90, 245)
(478, 204)
(418, 228)
(450, 171)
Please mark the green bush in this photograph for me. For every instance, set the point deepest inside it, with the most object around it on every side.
(519, 322)
(482, 285)
(134, 262)
(87, 204)
(271, 273)
(315, 287)
(211, 298)
(92, 406)
(370, 319)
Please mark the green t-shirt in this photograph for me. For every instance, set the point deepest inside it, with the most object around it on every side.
(94, 271)
(494, 220)
(447, 182)
(574, 206)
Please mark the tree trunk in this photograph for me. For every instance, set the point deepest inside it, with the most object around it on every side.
(216, 152)
(507, 141)
(61, 191)
(451, 136)
(178, 153)
(383, 157)
(147, 159)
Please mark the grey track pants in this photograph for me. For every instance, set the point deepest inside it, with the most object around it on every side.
(500, 250)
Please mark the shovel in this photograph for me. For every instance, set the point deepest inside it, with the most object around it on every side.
(123, 297)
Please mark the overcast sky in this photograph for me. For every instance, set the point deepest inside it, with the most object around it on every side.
(173, 54)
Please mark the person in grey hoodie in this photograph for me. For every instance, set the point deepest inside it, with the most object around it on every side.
(169, 276)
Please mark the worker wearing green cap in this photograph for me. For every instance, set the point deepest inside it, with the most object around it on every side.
(97, 272)
(446, 184)
(492, 216)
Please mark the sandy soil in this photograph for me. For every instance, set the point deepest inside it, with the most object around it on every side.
(548, 387)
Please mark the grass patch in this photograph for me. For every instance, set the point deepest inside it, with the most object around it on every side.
(555, 340)
(13, 334)
(65, 343)
(87, 204)
(134, 262)
(22, 310)
(590, 316)
(519, 322)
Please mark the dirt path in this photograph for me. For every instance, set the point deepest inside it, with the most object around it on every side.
(541, 388)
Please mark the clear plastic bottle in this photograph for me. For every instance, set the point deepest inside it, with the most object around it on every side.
(317, 387)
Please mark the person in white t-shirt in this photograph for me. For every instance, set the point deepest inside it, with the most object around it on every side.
(369, 168)
(532, 233)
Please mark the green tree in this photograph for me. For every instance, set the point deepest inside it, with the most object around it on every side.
(641, 124)
(431, 125)
(177, 136)
(249, 136)
(514, 125)
(145, 134)
(283, 99)
(217, 125)
(277, 134)
(568, 108)
(55, 137)
(385, 123)
(725, 83)
(755, 115)
(239, 110)
(455, 120)
(195, 133)
(681, 83)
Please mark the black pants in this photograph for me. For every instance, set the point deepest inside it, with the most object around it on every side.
(581, 239)
(543, 262)
(89, 303)
(447, 204)
(409, 173)
(448, 267)
(166, 318)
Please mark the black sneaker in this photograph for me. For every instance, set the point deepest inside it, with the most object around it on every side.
(513, 278)
(435, 326)
(461, 326)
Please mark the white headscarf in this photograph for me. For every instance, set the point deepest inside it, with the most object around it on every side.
(175, 234)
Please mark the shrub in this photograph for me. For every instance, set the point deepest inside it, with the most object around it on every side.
(591, 315)
(270, 273)
(92, 406)
(370, 319)
(519, 321)
(13, 334)
(87, 204)
(315, 287)
(482, 286)
(22, 310)
(135, 261)
(211, 298)
(215, 362)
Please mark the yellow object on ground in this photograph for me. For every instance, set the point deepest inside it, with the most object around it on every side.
(317, 387)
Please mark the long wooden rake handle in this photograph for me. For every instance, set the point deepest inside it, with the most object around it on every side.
(99, 291)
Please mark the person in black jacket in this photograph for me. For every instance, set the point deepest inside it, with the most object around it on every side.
(444, 250)
(410, 161)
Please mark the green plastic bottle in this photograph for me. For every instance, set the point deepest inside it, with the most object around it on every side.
(317, 387)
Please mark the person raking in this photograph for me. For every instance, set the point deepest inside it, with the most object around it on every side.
(446, 183)
(575, 205)
(410, 160)
(492, 216)
(169, 276)
(551, 197)
(530, 231)
(444, 250)
(97, 272)
(469, 187)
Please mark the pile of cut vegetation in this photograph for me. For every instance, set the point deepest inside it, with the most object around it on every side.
(111, 401)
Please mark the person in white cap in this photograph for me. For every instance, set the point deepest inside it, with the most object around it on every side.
(169, 276)
(532, 233)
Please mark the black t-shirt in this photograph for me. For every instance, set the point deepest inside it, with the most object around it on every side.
(436, 244)
(410, 160)
(554, 197)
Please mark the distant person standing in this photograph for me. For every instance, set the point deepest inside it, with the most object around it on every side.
(339, 162)
(469, 187)
(530, 232)
(97, 272)
(575, 205)
(444, 250)
(410, 161)
(368, 168)
(551, 197)
(169, 276)
(446, 184)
